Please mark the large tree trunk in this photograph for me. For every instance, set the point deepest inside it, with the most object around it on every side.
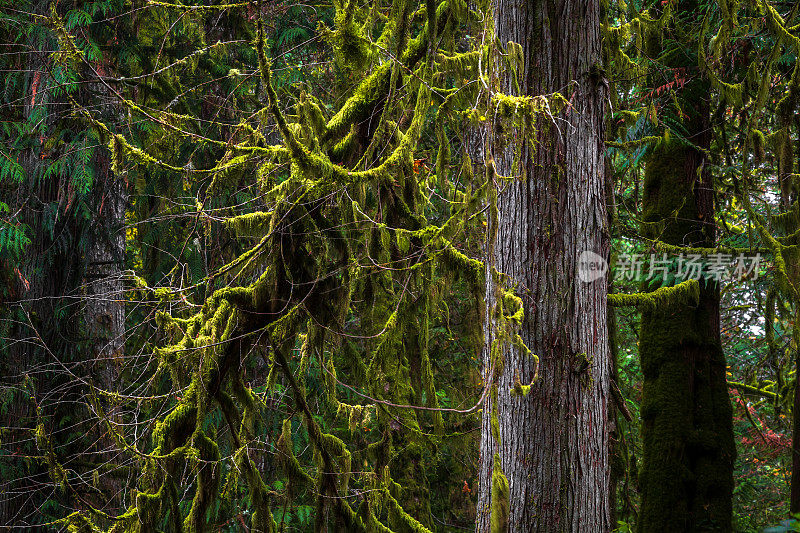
(688, 448)
(553, 445)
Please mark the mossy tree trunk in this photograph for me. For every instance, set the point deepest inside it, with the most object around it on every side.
(791, 257)
(554, 442)
(688, 449)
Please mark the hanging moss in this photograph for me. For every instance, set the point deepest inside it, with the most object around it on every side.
(250, 225)
(500, 499)
(207, 482)
(341, 246)
(54, 467)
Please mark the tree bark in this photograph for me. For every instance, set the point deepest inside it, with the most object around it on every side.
(554, 442)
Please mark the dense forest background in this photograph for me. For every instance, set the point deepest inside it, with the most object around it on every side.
(254, 265)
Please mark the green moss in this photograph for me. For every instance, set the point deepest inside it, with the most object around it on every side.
(669, 210)
(759, 142)
(351, 49)
(398, 516)
(207, 471)
(148, 508)
(513, 307)
(176, 427)
(637, 143)
(297, 476)
(472, 269)
(788, 220)
(54, 467)
(685, 293)
(500, 499)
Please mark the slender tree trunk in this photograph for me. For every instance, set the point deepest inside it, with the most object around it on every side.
(554, 442)
(104, 308)
(616, 430)
(792, 259)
